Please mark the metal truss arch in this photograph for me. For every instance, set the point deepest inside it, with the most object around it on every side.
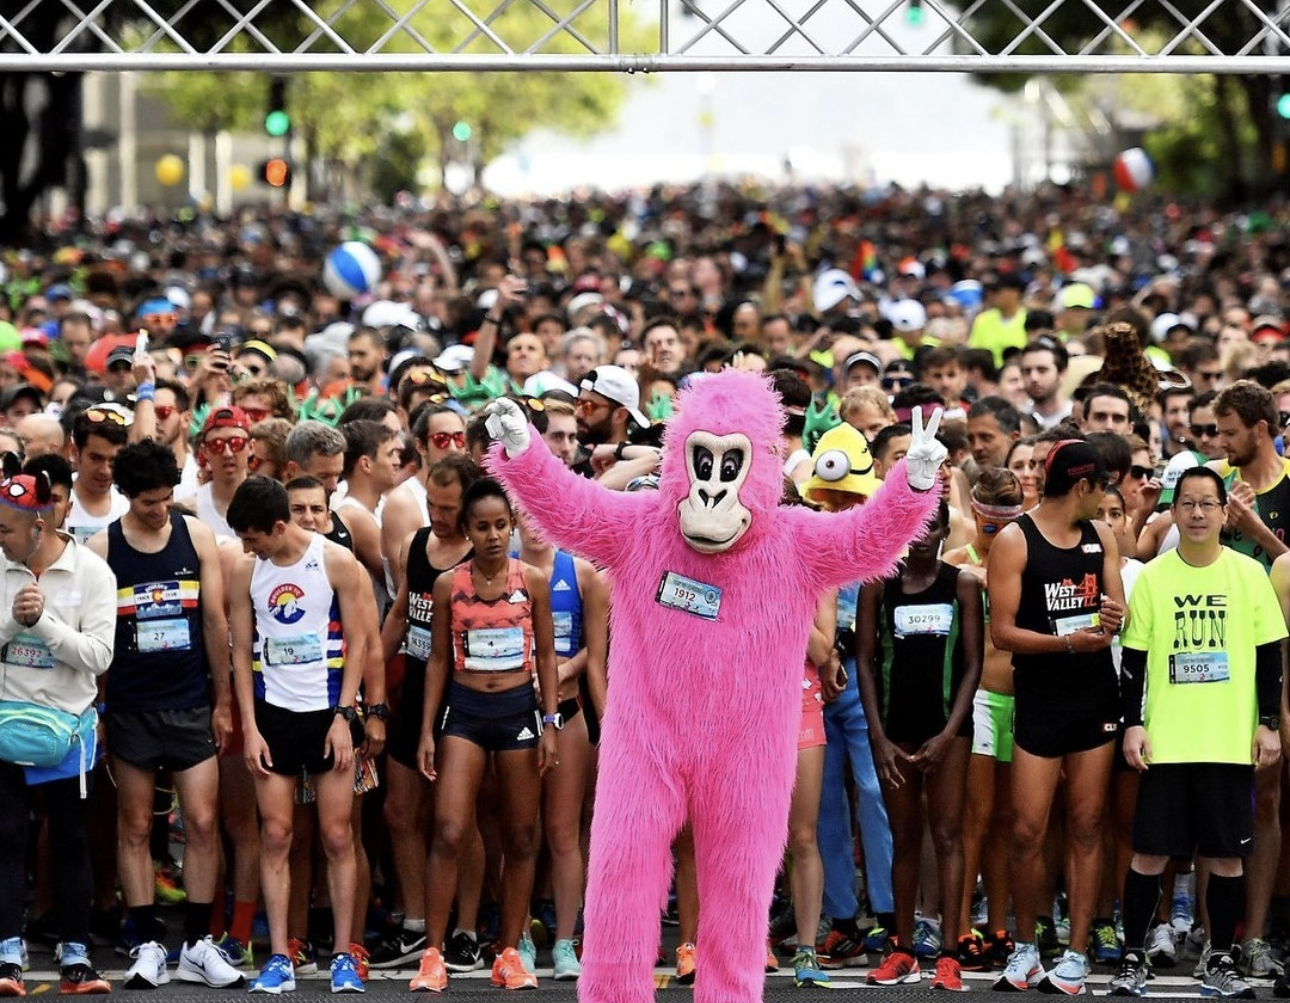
(977, 36)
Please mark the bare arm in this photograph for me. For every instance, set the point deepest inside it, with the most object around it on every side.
(400, 519)
(215, 630)
(595, 631)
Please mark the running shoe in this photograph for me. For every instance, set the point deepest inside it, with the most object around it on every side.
(399, 948)
(1106, 945)
(205, 963)
(783, 926)
(1022, 970)
(927, 938)
(462, 953)
(1222, 979)
(1183, 913)
(528, 952)
(685, 961)
(948, 976)
(772, 962)
(1202, 965)
(168, 890)
(998, 948)
(972, 956)
(543, 922)
(1046, 937)
(1068, 975)
(239, 955)
(12, 956)
(149, 968)
(432, 976)
(276, 977)
(1162, 952)
(509, 971)
(304, 959)
(841, 950)
(362, 960)
(344, 975)
(898, 967)
(564, 961)
(76, 976)
(807, 970)
(1257, 961)
(877, 940)
(1131, 979)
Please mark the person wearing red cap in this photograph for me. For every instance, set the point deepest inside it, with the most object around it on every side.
(225, 445)
(57, 632)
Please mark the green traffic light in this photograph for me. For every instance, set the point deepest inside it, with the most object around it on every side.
(277, 123)
(462, 132)
(1283, 106)
(915, 14)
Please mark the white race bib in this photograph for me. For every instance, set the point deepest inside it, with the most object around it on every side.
(29, 650)
(163, 635)
(1199, 667)
(1063, 625)
(418, 643)
(931, 618)
(303, 650)
(494, 649)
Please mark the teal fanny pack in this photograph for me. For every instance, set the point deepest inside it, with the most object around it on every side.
(34, 735)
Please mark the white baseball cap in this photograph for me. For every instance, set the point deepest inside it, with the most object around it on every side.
(832, 287)
(618, 385)
(907, 315)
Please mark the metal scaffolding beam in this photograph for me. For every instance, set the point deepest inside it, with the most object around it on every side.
(981, 36)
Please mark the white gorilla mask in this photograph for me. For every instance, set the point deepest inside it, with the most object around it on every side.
(712, 516)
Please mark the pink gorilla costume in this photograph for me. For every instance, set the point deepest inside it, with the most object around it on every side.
(702, 717)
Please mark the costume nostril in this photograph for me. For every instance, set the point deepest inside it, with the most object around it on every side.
(719, 496)
(703, 496)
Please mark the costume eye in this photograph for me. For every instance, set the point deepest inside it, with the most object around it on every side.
(703, 463)
(732, 461)
(833, 465)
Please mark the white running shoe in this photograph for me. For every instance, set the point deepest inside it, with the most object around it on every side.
(1162, 952)
(149, 968)
(206, 963)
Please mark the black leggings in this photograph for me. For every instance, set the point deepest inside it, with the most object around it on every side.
(73, 884)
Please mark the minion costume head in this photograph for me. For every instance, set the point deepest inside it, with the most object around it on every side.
(844, 473)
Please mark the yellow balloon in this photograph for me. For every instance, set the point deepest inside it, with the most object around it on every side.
(239, 176)
(170, 170)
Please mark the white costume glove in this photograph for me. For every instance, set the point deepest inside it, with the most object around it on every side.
(507, 422)
(925, 456)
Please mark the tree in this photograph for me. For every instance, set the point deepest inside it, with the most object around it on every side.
(1238, 104)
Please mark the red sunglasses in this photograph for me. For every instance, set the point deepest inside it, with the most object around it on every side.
(441, 439)
(220, 446)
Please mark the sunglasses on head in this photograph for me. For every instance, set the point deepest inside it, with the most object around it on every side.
(221, 446)
(420, 377)
(1207, 431)
(442, 439)
(99, 415)
(534, 403)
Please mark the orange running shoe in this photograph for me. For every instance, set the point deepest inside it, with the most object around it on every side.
(685, 961)
(948, 975)
(11, 980)
(431, 977)
(362, 960)
(897, 967)
(509, 971)
(304, 959)
(79, 979)
(772, 962)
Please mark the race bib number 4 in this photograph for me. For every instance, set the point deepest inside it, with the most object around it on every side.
(689, 596)
(494, 649)
(304, 650)
(1199, 667)
(163, 635)
(932, 618)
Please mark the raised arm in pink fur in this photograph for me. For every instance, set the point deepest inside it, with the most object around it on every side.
(863, 542)
(573, 513)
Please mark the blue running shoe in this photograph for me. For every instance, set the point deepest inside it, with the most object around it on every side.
(276, 977)
(344, 975)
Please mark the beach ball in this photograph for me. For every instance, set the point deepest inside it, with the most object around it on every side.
(351, 270)
(169, 170)
(1134, 170)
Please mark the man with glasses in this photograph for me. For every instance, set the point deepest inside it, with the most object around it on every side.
(225, 445)
(1202, 429)
(1201, 363)
(608, 403)
(1210, 718)
(98, 434)
(1056, 602)
(172, 408)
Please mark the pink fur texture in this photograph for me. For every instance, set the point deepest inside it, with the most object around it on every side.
(702, 716)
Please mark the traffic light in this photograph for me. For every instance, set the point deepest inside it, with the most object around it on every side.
(1283, 105)
(462, 132)
(915, 14)
(277, 121)
(276, 173)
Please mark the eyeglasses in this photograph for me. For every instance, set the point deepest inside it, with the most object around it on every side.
(163, 411)
(191, 362)
(585, 406)
(1209, 374)
(442, 439)
(220, 446)
(1140, 473)
(1208, 507)
(1204, 431)
(897, 382)
(255, 414)
(120, 367)
(254, 463)
(99, 415)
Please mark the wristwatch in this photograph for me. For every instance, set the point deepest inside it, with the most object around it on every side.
(618, 451)
(348, 713)
(1271, 721)
(555, 720)
(380, 711)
